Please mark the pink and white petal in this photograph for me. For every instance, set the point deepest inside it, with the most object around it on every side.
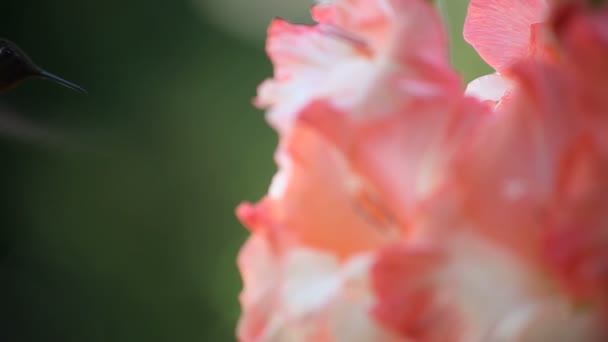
(406, 156)
(404, 282)
(349, 318)
(299, 48)
(322, 11)
(402, 30)
(516, 285)
(432, 293)
(290, 97)
(319, 298)
(554, 320)
(509, 172)
(278, 330)
(308, 63)
(311, 280)
(257, 264)
(418, 35)
(351, 321)
(287, 295)
(500, 30)
(317, 197)
(490, 87)
(308, 283)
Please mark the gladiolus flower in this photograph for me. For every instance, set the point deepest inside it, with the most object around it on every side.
(405, 210)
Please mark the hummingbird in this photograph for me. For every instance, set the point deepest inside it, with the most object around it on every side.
(16, 66)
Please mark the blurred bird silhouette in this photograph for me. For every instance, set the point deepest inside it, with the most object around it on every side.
(16, 66)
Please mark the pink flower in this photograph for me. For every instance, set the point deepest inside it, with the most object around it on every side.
(403, 210)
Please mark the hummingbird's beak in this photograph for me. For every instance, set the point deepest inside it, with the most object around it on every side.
(65, 83)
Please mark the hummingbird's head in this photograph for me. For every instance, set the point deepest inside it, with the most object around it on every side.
(16, 66)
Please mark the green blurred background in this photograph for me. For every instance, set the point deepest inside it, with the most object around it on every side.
(117, 207)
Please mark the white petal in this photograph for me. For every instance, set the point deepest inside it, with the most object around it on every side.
(490, 284)
(551, 321)
(311, 280)
(349, 318)
(488, 87)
